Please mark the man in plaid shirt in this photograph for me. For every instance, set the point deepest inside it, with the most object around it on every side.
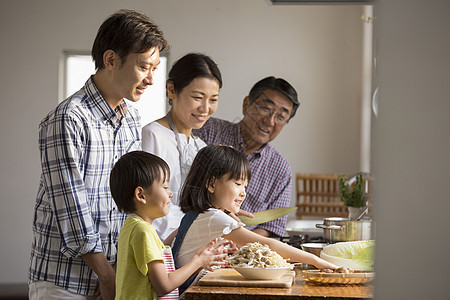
(76, 222)
(271, 103)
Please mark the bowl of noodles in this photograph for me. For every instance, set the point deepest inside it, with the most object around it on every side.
(258, 262)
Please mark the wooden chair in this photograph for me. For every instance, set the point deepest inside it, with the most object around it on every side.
(318, 196)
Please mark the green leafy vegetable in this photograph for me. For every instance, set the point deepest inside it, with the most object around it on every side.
(356, 255)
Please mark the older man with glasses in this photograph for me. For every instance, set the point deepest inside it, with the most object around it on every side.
(271, 103)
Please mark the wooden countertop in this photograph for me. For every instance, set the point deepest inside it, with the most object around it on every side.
(299, 290)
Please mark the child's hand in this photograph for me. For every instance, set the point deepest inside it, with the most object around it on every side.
(214, 254)
(323, 264)
(245, 213)
(240, 213)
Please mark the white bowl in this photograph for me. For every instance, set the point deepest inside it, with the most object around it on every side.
(262, 273)
(314, 248)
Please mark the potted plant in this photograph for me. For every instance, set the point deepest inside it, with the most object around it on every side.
(353, 193)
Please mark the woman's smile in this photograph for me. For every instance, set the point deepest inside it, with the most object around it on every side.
(200, 118)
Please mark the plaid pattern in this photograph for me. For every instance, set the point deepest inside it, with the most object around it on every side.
(79, 142)
(271, 182)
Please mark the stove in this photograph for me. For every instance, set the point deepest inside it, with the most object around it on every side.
(297, 240)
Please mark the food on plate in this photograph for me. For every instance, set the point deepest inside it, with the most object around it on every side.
(326, 271)
(338, 270)
(343, 270)
(357, 255)
(256, 255)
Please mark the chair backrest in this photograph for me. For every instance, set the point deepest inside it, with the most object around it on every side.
(318, 196)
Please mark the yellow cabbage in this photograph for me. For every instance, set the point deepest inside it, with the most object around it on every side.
(357, 255)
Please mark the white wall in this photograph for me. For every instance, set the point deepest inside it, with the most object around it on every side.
(411, 147)
(316, 48)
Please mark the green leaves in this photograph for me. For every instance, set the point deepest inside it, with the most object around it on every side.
(353, 195)
(356, 255)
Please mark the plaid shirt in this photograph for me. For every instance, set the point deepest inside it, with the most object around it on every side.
(79, 142)
(271, 182)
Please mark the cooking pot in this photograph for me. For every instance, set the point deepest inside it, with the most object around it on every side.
(345, 229)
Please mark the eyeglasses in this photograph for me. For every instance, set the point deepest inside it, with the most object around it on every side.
(264, 111)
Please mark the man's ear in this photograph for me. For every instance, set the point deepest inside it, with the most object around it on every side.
(111, 59)
(245, 105)
(139, 195)
(211, 185)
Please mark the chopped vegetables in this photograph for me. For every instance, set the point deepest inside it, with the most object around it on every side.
(257, 255)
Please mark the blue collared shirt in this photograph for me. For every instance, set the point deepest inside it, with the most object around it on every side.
(271, 181)
(79, 142)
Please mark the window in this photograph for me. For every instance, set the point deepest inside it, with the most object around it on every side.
(78, 66)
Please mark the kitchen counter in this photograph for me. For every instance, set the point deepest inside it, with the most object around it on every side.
(299, 290)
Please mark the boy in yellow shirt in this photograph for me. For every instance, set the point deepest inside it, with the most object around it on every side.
(139, 184)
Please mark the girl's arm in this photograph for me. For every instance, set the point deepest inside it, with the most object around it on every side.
(205, 257)
(242, 236)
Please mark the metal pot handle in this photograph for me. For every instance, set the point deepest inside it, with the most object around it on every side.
(336, 227)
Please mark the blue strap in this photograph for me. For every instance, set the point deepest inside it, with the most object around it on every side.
(185, 224)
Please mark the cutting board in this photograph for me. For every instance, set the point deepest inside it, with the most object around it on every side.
(230, 277)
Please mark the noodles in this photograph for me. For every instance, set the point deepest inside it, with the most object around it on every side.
(256, 255)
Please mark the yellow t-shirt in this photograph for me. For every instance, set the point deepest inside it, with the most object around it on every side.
(138, 245)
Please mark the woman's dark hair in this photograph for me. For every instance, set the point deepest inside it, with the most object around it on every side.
(211, 162)
(191, 66)
(136, 168)
(125, 32)
(277, 84)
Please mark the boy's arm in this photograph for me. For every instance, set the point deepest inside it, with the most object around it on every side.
(163, 282)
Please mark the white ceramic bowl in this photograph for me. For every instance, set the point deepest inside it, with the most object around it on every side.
(314, 248)
(262, 273)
